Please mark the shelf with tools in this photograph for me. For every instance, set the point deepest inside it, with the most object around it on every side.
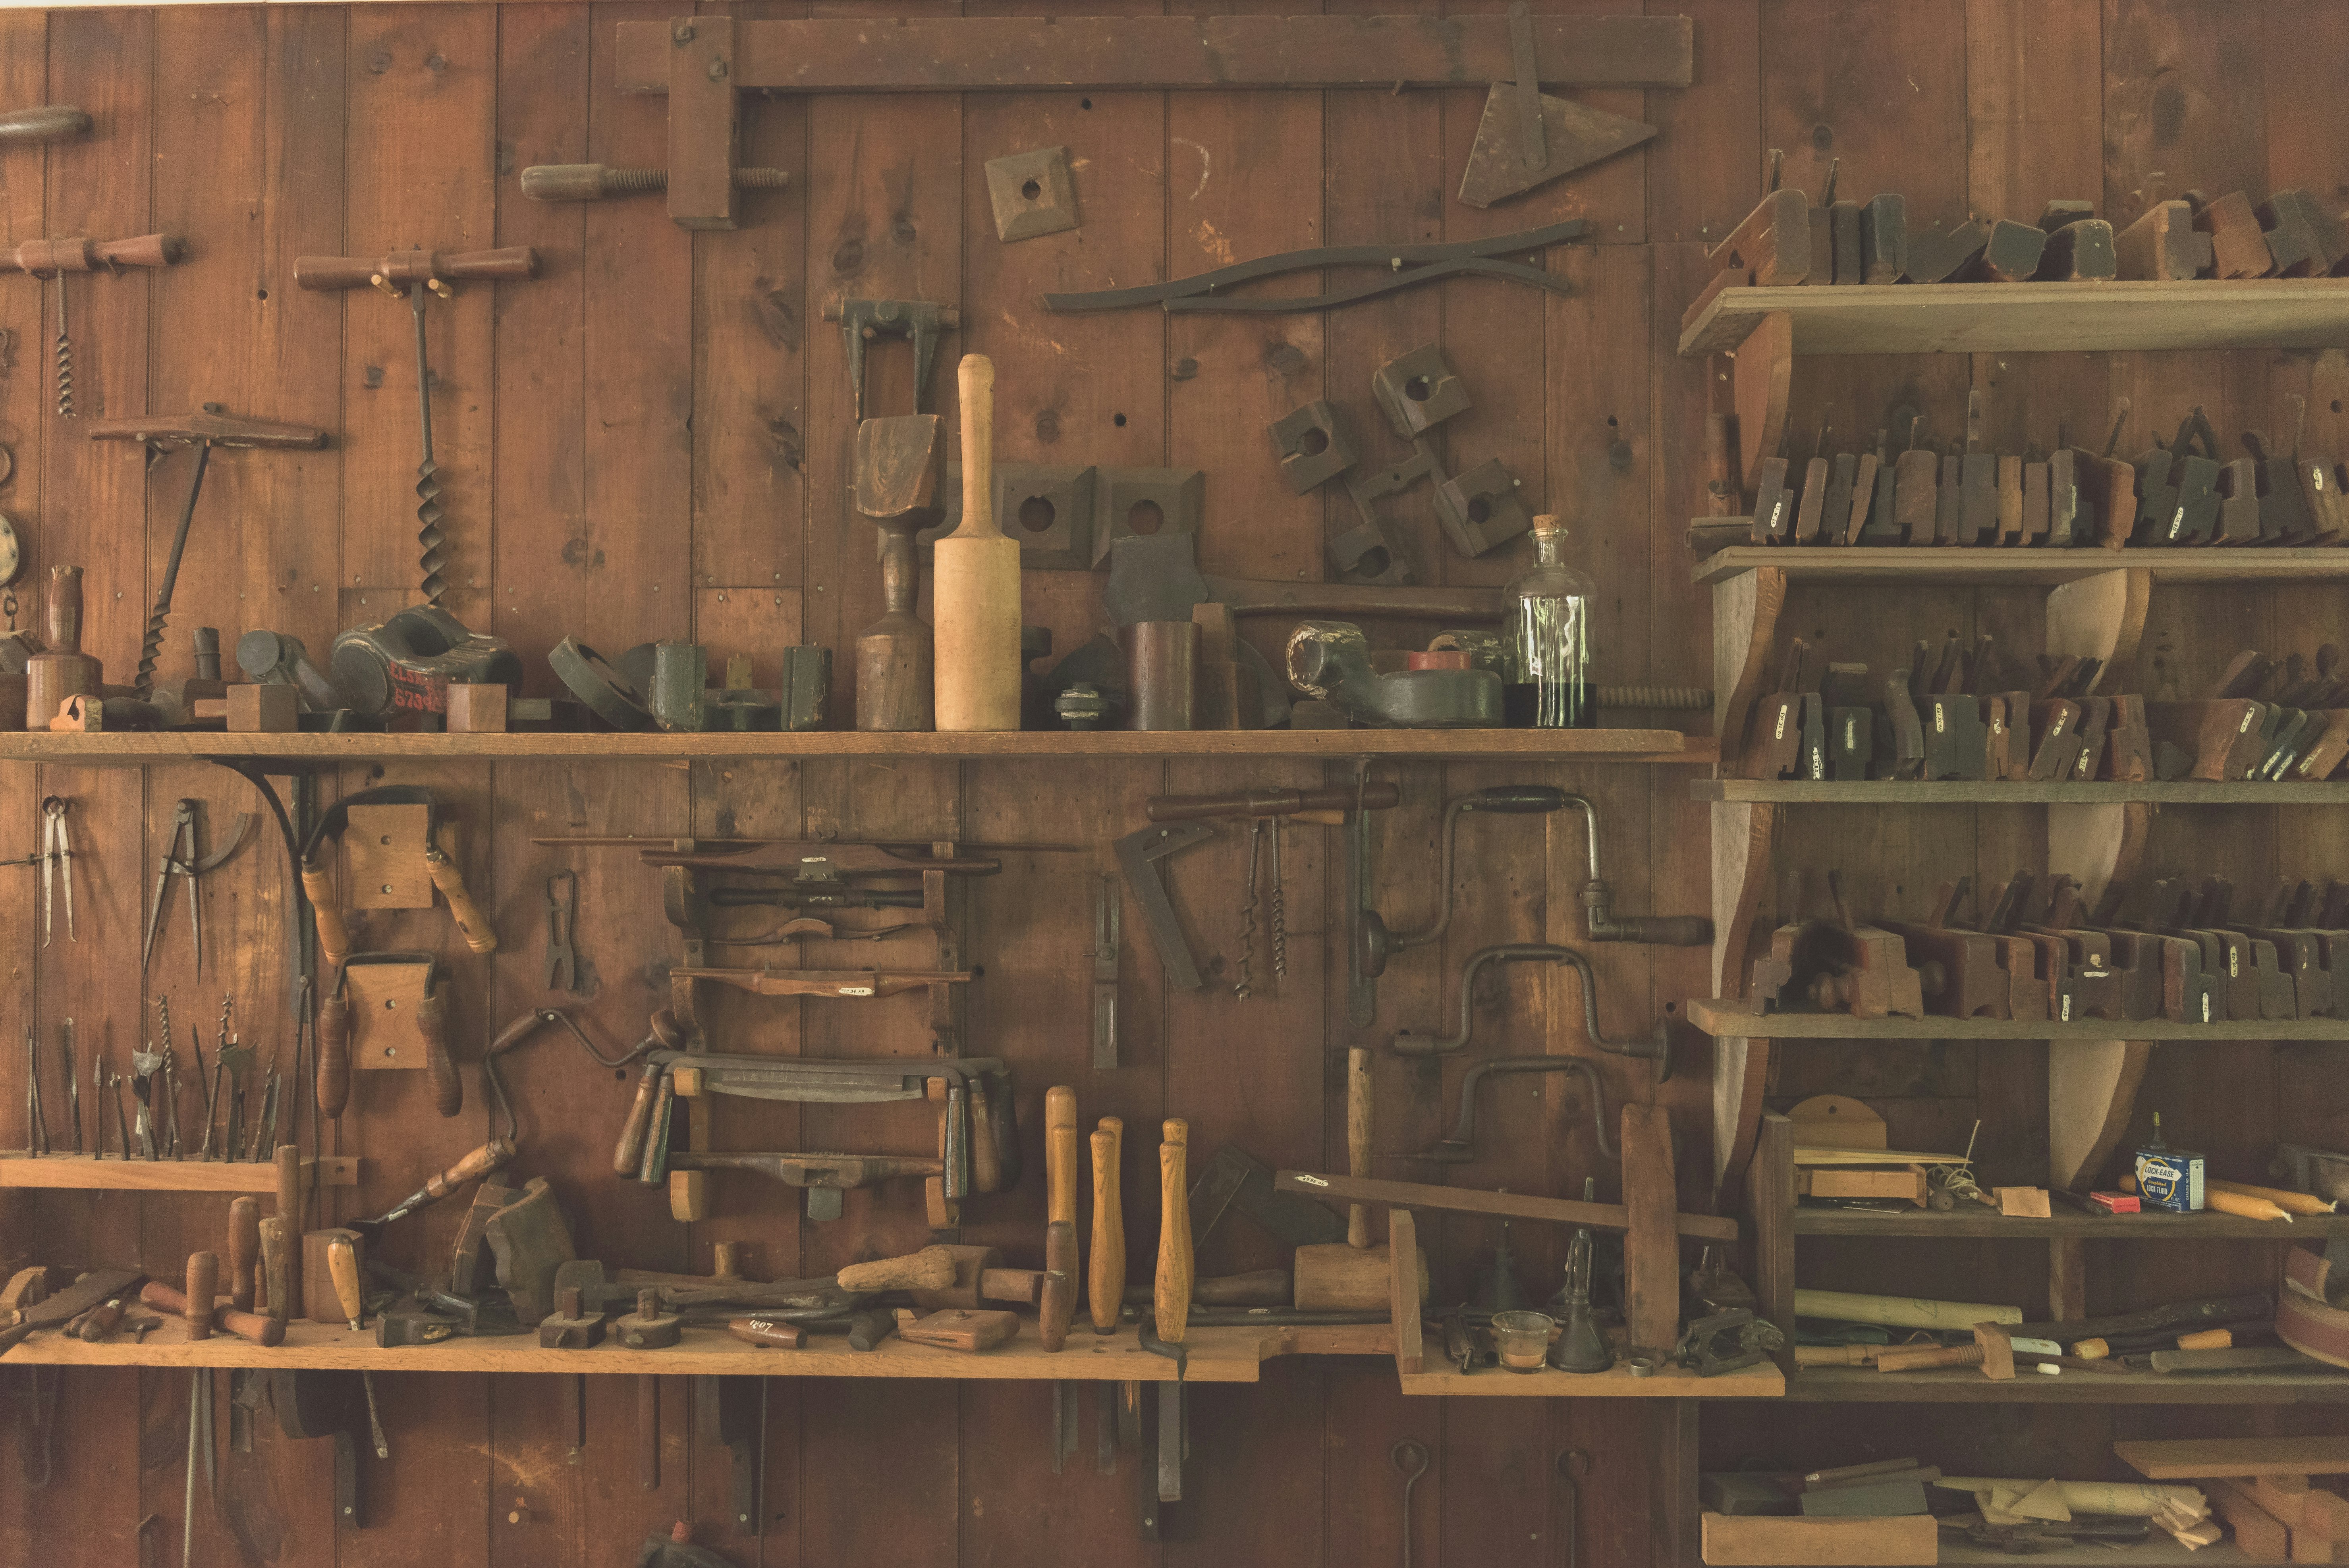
(1991, 567)
(1998, 792)
(1967, 1385)
(81, 1173)
(1666, 746)
(1763, 1381)
(2150, 1225)
(1743, 1020)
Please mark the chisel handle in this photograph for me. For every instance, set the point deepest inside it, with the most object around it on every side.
(202, 1294)
(479, 936)
(277, 1254)
(1105, 1285)
(334, 1046)
(1357, 1139)
(432, 1023)
(1060, 1155)
(490, 1156)
(49, 122)
(986, 1159)
(628, 1154)
(343, 1268)
(1171, 1297)
(289, 1219)
(244, 1250)
(334, 936)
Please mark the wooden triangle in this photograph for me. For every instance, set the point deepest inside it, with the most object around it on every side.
(1576, 136)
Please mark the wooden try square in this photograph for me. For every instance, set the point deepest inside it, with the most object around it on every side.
(1033, 193)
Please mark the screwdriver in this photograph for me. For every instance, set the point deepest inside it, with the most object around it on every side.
(343, 1267)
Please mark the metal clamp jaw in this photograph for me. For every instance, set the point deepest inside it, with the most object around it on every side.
(1656, 1048)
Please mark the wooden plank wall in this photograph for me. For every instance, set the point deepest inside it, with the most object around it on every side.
(652, 440)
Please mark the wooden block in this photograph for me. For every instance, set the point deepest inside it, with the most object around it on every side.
(1933, 258)
(2310, 1546)
(2327, 1511)
(476, 709)
(2293, 250)
(1890, 1498)
(1402, 1289)
(1765, 1541)
(1883, 239)
(1900, 1186)
(1836, 1121)
(318, 1302)
(2010, 500)
(961, 1328)
(2022, 1202)
(255, 710)
(2011, 255)
(1652, 1252)
(702, 79)
(209, 708)
(2163, 246)
(1821, 269)
(383, 858)
(2285, 1496)
(2080, 252)
(385, 1000)
(1774, 242)
(2188, 1458)
(2238, 246)
(2260, 1536)
(688, 1196)
(1850, 265)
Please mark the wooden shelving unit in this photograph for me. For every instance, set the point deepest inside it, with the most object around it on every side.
(1438, 1378)
(2032, 317)
(1967, 1385)
(81, 1173)
(137, 747)
(1989, 567)
(1981, 1225)
(1975, 792)
(1743, 1020)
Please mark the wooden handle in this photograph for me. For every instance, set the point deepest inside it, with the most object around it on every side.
(290, 1211)
(479, 934)
(1262, 1288)
(932, 1268)
(278, 1259)
(768, 1332)
(334, 936)
(1060, 1155)
(1172, 1295)
(1056, 1296)
(1928, 1356)
(975, 379)
(244, 1325)
(975, 585)
(1105, 1285)
(49, 122)
(432, 1023)
(490, 1156)
(244, 1250)
(628, 1154)
(334, 1042)
(343, 1268)
(145, 251)
(203, 1290)
(1357, 1139)
(986, 1159)
(510, 264)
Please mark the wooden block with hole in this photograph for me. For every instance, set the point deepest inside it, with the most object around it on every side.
(2191, 1459)
(255, 710)
(1764, 1541)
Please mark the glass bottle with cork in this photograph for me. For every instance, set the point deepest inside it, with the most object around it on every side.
(1547, 638)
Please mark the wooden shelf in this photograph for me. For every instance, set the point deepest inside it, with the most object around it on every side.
(81, 1173)
(1740, 1020)
(1989, 565)
(1440, 1377)
(133, 747)
(1966, 1386)
(1218, 1355)
(2033, 318)
(2159, 1550)
(1917, 792)
(1976, 1223)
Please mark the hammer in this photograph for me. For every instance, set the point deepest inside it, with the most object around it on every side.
(203, 1276)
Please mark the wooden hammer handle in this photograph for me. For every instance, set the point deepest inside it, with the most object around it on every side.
(1060, 1155)
(1105, 1285)
(1171, 1298)
(334, 1046)
(479, 936)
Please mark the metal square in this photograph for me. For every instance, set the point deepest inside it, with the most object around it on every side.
(1033, 193)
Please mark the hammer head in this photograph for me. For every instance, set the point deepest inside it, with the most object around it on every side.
(403, 1325)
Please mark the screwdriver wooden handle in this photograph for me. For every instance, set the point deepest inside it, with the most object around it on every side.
(343, 1268)
(1060, 1155)
(432, 1023)
(628, 1154)
(202, 1294)
(490, 1156)
(334, 1043)
(244, 1250)
(244, 1325)
(986, 1159)
(1105, 1285)
(1172, 1297)
(1056, 1296)
(289, 1215)
(479, 936)
(334, 936)
(277, 1256)
(1357, 1139)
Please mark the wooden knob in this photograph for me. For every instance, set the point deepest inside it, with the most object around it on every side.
(244, 1250)
(1061, 1154)
(1357, 1139)
(1105, 1285)
(202, 1294)
(334, 1040)
(1171, 1298)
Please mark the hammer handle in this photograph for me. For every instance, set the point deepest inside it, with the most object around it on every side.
(1105, 1285)
(89, 255)
(286, 1301)
(1060, 1155)
(510, 264)
(1172, 1297)
(628, 1155)
(479, 936)
(334, 936)
(432, 1023)
(196, 1303)
(244, 1325)
(1357, 1139)
(333, 1045)
(244, 1250)
(48, 122)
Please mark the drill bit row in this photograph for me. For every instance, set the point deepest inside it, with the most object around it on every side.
(155, 1133)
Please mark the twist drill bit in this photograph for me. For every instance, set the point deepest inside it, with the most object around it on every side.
(1241, 986)
(121, 1120)
(170, 1076)
(64, 355)
(432, 540)
(1279, 915)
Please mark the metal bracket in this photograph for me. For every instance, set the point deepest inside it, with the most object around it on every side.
(919, 322)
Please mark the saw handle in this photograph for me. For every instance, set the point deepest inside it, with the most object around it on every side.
(479, 934)
(432, 1023)
(512, 264)
(334, 1053)
(334, 936)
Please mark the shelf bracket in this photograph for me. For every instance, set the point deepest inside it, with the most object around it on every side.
(1765, 378)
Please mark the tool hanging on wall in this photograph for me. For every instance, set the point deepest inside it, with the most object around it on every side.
(1527, 139)
(203, 432)
(183, 857)
(448, 878)
(419, 274)
(56, 258)
(595, 181)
